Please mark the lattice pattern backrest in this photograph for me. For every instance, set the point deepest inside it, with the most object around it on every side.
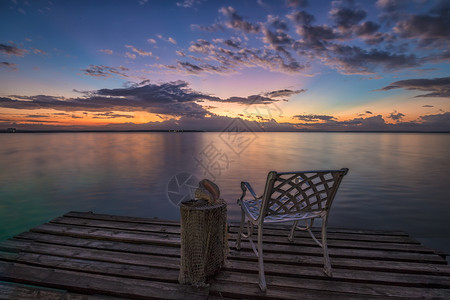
(303, 191)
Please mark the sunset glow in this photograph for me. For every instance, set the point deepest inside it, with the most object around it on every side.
(200, 64)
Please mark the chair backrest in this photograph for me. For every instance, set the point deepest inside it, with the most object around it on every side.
(293, 192)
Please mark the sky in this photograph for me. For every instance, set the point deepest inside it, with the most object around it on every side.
(283, 65)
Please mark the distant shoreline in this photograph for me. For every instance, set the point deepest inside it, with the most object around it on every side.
(180, 131)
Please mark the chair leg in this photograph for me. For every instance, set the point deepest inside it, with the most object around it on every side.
(327, 264)
(291, 234)
(241, 229)
(262, 277)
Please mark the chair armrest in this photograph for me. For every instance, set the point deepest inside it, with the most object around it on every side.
(246, 186)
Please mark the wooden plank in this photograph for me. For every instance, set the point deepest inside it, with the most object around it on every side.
(160, 261)
(127, 226)
(351, 288)
(252, 291)
(361, 276)
(349, 263)
(345, 263)
(282, 228)
(332, 243)
(269, 231)
(93, 266)
(95, 216)
(127, 257)
(350, 253)
(10, 291)
(13, 245)
(109, 234)
(99, 244)
(79, 282)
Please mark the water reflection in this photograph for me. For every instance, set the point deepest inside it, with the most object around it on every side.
(396, 181)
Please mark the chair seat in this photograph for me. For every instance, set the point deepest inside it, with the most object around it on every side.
(252, 210)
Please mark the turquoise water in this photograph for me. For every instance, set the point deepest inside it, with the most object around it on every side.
(396, 181)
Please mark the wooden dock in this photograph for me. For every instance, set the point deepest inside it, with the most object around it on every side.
(95, 256)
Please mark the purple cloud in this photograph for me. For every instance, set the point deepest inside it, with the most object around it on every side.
(437, 87)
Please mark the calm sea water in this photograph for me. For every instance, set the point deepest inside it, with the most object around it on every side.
(397, 181)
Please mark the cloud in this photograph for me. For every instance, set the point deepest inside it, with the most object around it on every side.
(347, 17)
(209, 28)
(313, 118)
(197, 69)
(253, 99)
(430, 29)
(169, 39)
(297, 3)
(235, 21)
(284, 93)
(396, 116)
(139, 51)
(355, 60)
(427, 105)
(301, 17)
(437, 121)
(437, 87)
(189, 3)
(314, 38)
(232, 42)
(367, 112)
(173, 98)
(37, 116)
(263, 4)
(12, 50)
(105, 71)
(219, 60)
(110, 115)
(130, 55)
(106, 51)
(39, 51)
(151, 41)
(277, 39)
(8, 65)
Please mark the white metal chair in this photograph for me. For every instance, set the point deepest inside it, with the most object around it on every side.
(290, 197)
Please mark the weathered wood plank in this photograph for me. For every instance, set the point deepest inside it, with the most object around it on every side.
(127, 226)
(339, 287)
(10, 291)
(252, 291)
(109, 234)
(94, 266)
(270, 231)
(13, 245)
(117, 235)
(79, 282)
(345, 263)
(348, 263)
(282, 228)
(303, 240)
(350, 253)
(96, 216)
(100, 244)
(85, 254)
(340, 243)
(160, 261)
(361, 276)
(91, 215)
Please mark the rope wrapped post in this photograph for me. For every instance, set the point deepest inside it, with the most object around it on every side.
(204, 244)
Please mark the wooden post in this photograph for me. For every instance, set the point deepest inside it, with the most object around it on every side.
(204, 244)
